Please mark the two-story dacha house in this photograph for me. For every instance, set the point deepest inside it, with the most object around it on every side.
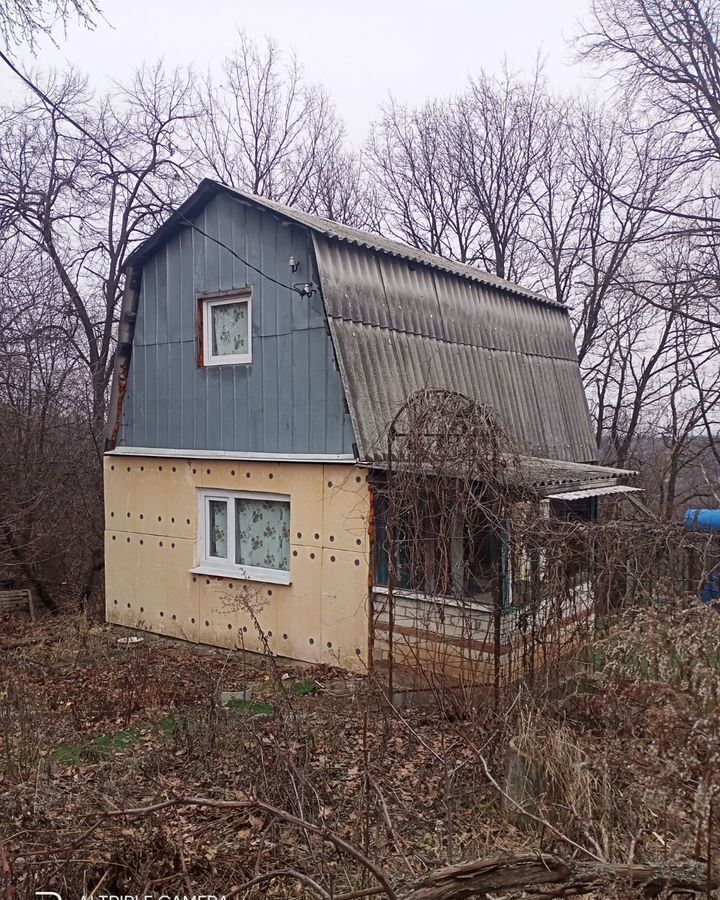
(262, 353)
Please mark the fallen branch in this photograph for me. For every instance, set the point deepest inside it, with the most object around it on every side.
(527, 871)
(652, 880)
(470, 879)
(32, 641)
(476, 878)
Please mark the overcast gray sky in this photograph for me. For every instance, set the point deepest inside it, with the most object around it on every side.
(362, 51)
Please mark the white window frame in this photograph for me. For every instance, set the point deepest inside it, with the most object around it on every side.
(209, 302)
(207, 557)
(228, 568)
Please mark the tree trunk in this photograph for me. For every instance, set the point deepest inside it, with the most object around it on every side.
(476, 878)
(95, 564)
(526, 871)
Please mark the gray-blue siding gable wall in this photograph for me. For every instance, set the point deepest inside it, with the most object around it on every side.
(290, 399)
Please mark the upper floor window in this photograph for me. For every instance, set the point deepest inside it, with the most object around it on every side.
(226, 329)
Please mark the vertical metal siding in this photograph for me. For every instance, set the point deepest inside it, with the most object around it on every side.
(290, 399)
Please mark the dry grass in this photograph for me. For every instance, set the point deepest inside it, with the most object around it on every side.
(569, 790)
(87, 725)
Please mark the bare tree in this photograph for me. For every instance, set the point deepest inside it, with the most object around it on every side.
(665, 56)
(82, 200)
(624, 179)
(666, 53)
(342, 192)
(422, 197)
(24, 21)
(456, 178)
(266, 129)
(562, 205)
(49, 471)
(82, 180)
(499, 144)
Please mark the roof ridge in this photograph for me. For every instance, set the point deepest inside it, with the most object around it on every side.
(380, 243)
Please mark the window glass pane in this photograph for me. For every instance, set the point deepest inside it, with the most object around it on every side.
(433, 554)
(217, 522)
(263, 533)
(406, 555)
(229, 328)
(479, 556)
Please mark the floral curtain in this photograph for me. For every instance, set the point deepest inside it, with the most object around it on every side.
(263, 533)
(229, 328)
(218, 528)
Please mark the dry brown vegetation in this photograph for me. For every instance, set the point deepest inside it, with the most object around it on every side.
(319, 780)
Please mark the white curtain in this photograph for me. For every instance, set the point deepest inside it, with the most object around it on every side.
(218, 528)
(263, 533)
(229, 329)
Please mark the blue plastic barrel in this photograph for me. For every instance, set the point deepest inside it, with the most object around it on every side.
(710, 592)
(703, 520)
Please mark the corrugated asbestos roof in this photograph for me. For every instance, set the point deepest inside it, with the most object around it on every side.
(594, 492)
(555, 479)
(399, 329)
(403, 320)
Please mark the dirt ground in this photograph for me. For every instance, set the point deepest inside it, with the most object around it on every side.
(89, 724)
(93, 725)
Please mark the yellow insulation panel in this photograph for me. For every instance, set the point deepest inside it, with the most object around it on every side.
(151, 512)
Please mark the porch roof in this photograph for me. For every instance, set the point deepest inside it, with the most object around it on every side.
(558, 479)
(569, 481)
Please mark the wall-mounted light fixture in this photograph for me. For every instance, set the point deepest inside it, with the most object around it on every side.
(305, 290)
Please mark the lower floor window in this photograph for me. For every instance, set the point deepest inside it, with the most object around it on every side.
(245, 534)
(435, 553)
(462, 554)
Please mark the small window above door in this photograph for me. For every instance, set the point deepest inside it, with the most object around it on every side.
(226, 329)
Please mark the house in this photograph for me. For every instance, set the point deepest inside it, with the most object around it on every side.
(262, 354)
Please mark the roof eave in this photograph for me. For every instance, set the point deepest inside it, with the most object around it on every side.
(175, 221)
